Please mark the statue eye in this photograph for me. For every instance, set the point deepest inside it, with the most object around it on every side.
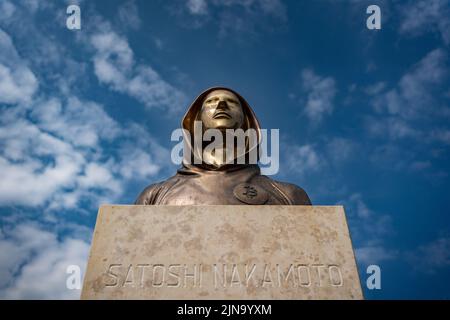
(211, 100)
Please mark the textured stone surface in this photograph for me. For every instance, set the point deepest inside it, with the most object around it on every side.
(221, 252)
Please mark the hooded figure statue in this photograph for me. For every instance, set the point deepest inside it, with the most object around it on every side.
(211, 178)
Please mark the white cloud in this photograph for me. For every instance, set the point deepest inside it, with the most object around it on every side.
(413, 96)
(114, 65)
(413, 102)
(55, 157)
(33, 263)
(82, 123)
(415, 86)
(392, 127)
(41, 49)
(261, 7)
(113, 59)
(423, 16)
(431, 257)
(52, 147)
(137, 163)
(27, 178)
(320, 94)
(197, 7)
(98, 175)
(375, 88)
(34, 5)
(368, 229)
(46, 153)
(17, 81)
(310, 159)
(370, 225)
(7, 10)
(129, 15)
(15, 248)
(236, 18)
(373, 255)
(303, 159)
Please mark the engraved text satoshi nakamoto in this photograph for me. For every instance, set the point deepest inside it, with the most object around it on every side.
(222, 275)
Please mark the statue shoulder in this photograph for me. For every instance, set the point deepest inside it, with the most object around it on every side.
(148, 195)
(152, 193)
(297, 195)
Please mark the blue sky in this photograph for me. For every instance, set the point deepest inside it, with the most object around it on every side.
(86, 118)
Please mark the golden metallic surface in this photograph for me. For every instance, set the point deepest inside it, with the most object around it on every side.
(214, 182)
(222, 109)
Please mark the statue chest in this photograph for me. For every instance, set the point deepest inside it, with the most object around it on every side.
(216, 190)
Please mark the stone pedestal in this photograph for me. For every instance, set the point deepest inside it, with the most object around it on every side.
(221, 252)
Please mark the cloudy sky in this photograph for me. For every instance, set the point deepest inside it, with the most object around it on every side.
(364, 119)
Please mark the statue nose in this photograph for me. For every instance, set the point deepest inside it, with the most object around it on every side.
(222, 104)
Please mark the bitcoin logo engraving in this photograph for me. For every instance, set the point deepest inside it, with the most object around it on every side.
(250, 194)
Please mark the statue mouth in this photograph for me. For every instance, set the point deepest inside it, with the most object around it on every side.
(221, 115)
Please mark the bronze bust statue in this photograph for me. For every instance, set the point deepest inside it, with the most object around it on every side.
(214, 180)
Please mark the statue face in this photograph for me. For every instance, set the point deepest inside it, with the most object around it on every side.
(222, 109)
